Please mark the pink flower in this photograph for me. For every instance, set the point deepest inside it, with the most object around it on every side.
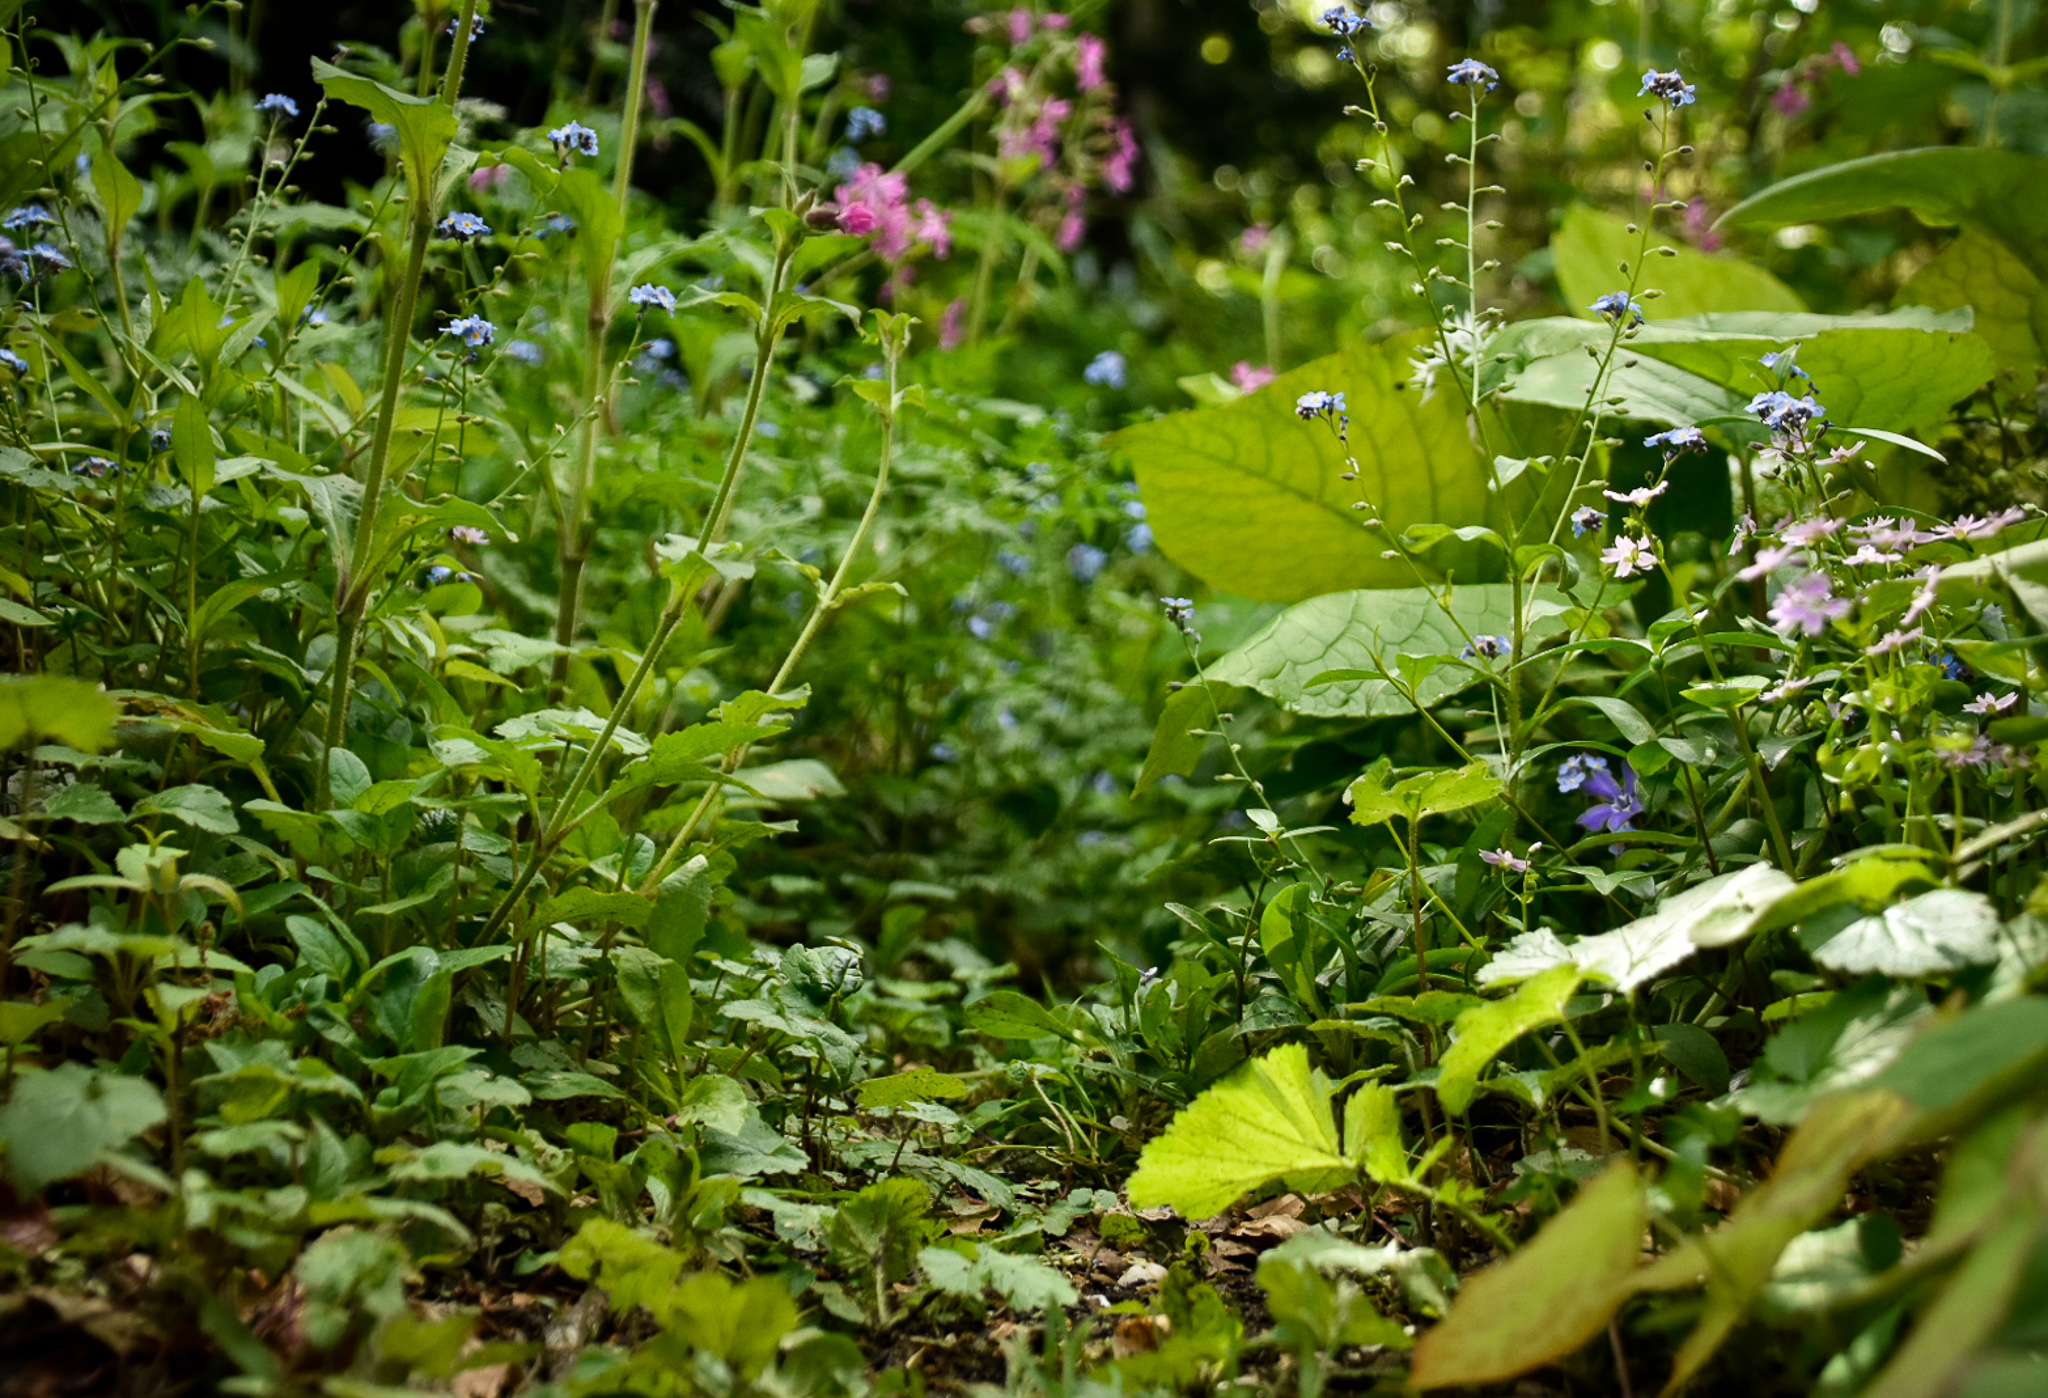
(1630, 556)
(1250, 378)
(1893, 640)
(1118, 171)
(1021, 22)
(1925, 597)
(1846, 56)
(1074, 225)
(658, 99)
(1699, 226)
(1055, 20)
(1253, 239)
(858, 219)
(1088, 55)
(953, 325)
(1790, 100)
(878, 87)
(1769, 559)
(486, 177)
(1807, 606)
(1808, 530)
(933, 226)
(1989, 704)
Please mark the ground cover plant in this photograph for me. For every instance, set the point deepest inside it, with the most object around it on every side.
(834, 700)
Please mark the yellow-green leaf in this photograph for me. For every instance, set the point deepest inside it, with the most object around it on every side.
(1480, 1034)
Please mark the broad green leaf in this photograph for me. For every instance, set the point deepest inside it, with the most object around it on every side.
(1439, 792)
(426, 127)
(456, 1160)
(1590, 247)
(39, 708)
(877, 1233)
(581, 191)
(681, 756)
(2000, 194)
(912, 1085)
(969, 1269)
(2005, 296)
(1372, 1133)
(84, 803)
(58, 1123)
(1551, 1296)
(633, 1269)
(1948, 1336)
(591, 908)
(1248, 497)
(118, 193)
(1175, 750)
(1934, 933)
(1270, 1120)
(1717, 912)
(192, 445)
(742, 1323)
(1343, 632)
(202, 807)
(1328, 1313)
(1972, 1054)
(1480, 1034)
(1006, 1014)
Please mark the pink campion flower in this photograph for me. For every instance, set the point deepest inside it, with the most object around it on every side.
(1249, 377)
(858, 219)
(1508, 859)
(658, 100)
(1784, 689)
(1807, 606)
(1088, 56)
(1055, 20)
(1976, 754)
(1699, 226)
(488, 177)
(1119, 169)
(1041, 137)
(1021, 22)
(1846, 56)
(1009, 84)
(1989, 704)
(1870, 554)
(932, 226)
(1253, 240)
(1930, 580)
(878, 87)
(953, 325)
(1971, 527)
(1790, 100)
(1895, 640)
(1073, 225)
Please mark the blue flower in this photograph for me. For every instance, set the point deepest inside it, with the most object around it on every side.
(526, 352)
(1617, 306)
(1619, 802)
(1106, 370)
(1585, 520)
(1470, 72)
(277, 104)
(1677, 442)
(1344, 24)
(1311, 406)
(865, 123)
(15, 362)
(383, 137)
(475, 331)
(441, 573)
(574, 137)
(476, 27)
(1014, 563)
(1783, 414)
(1179, 610)
(98, 467)
(555, 223)
(1485, 647)
(842, 164)
(649, 294)
(1085, 561)
(159, 440)
(943, 752)
(27, 219)
(47, 258)
(1138, 538)
(1669, 86)
(463, 227)
(1574, 771)
(1784, 363)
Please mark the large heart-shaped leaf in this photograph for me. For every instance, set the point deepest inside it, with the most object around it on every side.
(1590, 247)
(1249, 498)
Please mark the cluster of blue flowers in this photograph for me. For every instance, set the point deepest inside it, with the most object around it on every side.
(1619, 306)
(1586, 519)
(1486, 646)
(14, 362)
(277, 104)
(1470, 72)
(864, 124)
(28, 218)
(1346, 26)
(463, 227)
(1671, 87)
(1106, 370)
(1785, 415)
(650, 295)
(1677, 442)
(574, 137)
(475, 331)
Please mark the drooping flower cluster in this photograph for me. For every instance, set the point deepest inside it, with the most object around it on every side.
(1617, 803)
(462, 228)
(1346, 26)
(649, 296)
(1106, 370)
(474, 331)
(864, 124)
(1470, 72)
(1677, 442)
(575, 138)
(1617, 307)
(276, 104)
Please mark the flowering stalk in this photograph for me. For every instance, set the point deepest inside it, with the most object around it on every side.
(574, 546)
(352, 582)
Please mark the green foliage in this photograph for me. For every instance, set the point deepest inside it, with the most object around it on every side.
(63, 1121)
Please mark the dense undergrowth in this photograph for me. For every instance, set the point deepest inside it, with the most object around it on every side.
(610, 787)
